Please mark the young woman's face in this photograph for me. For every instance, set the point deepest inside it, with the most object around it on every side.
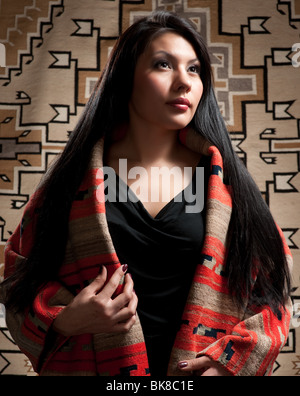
(167, 86)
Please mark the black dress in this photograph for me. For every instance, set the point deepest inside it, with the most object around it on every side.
(162, 254)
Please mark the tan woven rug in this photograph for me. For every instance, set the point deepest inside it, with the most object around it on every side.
(53, 53)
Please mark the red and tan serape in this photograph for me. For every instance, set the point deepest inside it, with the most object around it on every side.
(245, 343)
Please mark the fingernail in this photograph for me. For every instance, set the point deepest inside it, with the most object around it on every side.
(124, 267)
(182, 365)
(100, 269)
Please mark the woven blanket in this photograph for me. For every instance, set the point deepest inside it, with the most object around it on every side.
(246, 343)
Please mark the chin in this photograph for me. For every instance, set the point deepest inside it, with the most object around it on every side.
(180, 124)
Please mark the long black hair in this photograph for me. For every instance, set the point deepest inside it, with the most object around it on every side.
(253, 235)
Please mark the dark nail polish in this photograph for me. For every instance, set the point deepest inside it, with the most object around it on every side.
(182, 365)
(100, 269)
(124, 267)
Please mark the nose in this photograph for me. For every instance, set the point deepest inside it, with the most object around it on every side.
(182, 81)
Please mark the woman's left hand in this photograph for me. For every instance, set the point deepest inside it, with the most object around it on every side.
(204, 364)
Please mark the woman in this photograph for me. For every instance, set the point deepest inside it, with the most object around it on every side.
(207, 291)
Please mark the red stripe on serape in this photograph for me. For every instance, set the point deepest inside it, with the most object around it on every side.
(87, 207)
(275, 329)
(75, 356)
(93, 177)
(44, 313)
(31, 331)
(41, 305)
(216, 158)
(83, 365)
(214, 247)
(89, 267)
(128, 360)
(243, 344)
(233, 351)
(38, 320)
(93, 199)
(219, 192)
(201, 327)
(208, 277)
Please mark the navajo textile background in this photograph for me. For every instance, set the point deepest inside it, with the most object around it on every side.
(51, 55)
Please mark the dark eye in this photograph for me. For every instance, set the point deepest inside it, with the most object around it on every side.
(162, 65)
(194, 69)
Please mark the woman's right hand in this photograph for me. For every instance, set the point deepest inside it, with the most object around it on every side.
(94, 311)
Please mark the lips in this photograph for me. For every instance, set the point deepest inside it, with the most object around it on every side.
(180, 103)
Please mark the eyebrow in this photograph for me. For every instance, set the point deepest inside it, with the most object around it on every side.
(167, 54)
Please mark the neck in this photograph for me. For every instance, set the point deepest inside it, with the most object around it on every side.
(149, 143)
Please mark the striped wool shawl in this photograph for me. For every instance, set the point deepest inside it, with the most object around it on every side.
(245, 343)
